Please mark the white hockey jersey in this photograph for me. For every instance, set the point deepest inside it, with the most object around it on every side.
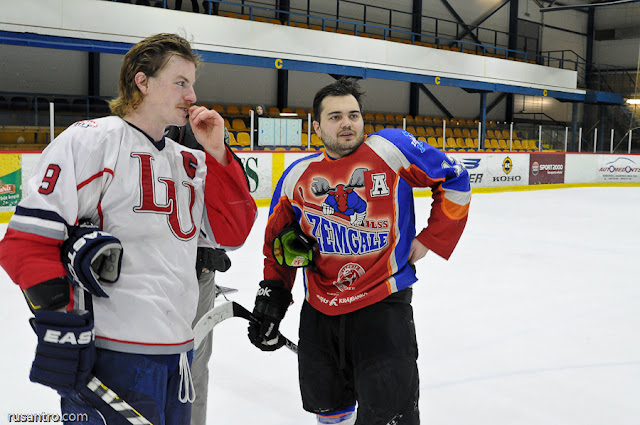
(153, 196)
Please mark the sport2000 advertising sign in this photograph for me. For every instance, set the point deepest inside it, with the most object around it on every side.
(546, 168)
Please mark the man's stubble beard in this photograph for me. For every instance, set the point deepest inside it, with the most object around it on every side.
(342, 149)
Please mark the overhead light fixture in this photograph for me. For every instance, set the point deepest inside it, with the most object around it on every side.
(633, 101)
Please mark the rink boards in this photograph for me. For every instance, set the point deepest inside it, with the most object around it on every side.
(488, 171)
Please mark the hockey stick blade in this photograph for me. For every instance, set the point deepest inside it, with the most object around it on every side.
(224, 312)
(209, 320)
(116, 403)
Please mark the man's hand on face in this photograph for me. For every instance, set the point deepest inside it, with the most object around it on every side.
(208, 127)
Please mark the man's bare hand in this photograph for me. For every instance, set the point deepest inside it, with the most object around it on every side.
(417, 251)
(208, 127)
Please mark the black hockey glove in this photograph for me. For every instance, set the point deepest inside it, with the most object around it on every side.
(65, 353)
(272, 302)
(212, 259)
(91, 257)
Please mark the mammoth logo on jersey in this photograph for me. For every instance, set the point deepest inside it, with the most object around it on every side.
(340, 225)
(148, 201)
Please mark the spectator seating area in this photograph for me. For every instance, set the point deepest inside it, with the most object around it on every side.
(458, 134)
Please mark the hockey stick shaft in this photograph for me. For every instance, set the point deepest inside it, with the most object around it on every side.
(223, 312)
(116, 403)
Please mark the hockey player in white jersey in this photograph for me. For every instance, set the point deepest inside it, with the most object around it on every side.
(127, 316)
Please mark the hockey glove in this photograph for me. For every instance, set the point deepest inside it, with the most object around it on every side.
(212, 259)
(272, 302)
(91, 257)
(293, 248)
(65, 353)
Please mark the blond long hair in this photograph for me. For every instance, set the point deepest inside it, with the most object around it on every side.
(148, 56)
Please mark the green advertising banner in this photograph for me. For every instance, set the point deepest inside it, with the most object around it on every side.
(10, 179)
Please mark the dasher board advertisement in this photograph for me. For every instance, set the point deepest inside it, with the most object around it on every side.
(495, 169)
(546, 168)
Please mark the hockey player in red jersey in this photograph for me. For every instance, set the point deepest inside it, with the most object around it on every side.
(346, 215)
(115, 208)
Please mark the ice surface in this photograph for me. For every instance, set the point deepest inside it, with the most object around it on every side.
(534, 320)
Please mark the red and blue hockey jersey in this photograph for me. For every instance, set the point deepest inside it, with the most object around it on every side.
(360, 210)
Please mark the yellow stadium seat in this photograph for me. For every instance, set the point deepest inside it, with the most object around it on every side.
(315, 140)
(470, 143)
(243, 138)
(273, 112)
(517, 145)
(233, 111)
(238, 125)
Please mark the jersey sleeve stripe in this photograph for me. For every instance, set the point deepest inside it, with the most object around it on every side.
(453, 210)
(457, 197)
(38, 222)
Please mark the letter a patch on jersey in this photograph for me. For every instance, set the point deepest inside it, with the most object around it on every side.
(377, 184)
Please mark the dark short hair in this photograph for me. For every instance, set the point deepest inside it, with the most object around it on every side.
(343, 87)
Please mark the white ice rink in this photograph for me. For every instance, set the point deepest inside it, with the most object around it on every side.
(535, 320)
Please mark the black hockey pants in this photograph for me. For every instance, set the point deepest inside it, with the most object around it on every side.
(368, 356)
